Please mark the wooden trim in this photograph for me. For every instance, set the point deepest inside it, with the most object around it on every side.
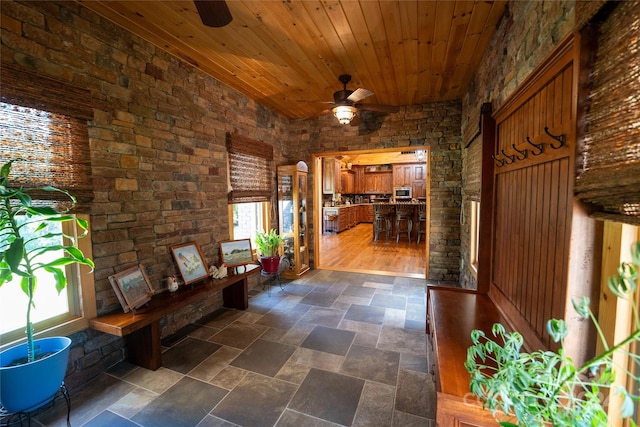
(614, 314)
(485, 259)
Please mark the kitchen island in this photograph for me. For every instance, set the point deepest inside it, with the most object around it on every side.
(342, 217)
(413, 209)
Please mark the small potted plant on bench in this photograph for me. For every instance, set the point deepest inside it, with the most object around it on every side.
(269, 248)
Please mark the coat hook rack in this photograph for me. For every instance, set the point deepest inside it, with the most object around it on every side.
(560, 138)
(524, 152)
(540, 147)
(499, 162)
(512, 157)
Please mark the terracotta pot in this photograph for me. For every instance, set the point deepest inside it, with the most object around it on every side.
(270, 264)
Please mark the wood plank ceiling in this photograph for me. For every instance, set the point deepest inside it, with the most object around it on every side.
(281, 52)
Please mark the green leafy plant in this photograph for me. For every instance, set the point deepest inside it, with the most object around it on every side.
(269, 243)
(21, 252)
(544, 387)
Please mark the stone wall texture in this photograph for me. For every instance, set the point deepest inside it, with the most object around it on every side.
(436, 125)
(159, 157)
(158, 151)
(158, 143)
(526, 34)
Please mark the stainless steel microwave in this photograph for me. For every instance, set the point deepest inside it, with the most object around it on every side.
(402, 192)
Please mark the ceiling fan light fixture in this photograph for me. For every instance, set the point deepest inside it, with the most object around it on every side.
(344, 113)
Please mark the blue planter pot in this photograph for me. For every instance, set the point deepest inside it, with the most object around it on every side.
(24, 388)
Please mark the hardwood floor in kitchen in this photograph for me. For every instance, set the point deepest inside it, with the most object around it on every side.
(354, 250)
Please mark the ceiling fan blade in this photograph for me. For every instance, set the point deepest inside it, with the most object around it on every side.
(378, 107)
(213, 13)
(316, 115)
(314, 102)
(355, 121)
(359, 94)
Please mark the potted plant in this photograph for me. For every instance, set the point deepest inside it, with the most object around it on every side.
(26, 368)
(269, 248)
(545, 388)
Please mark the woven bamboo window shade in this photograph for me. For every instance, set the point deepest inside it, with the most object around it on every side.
(609, 170)
(473, 166)
(43, 122)
(250, 169)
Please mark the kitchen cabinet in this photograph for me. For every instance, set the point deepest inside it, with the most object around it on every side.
(367, 213)
(419, 184)
(331, 176)
(378, 182)
(353, 215)
(347, 182)
(412, 175)
(348, 216)
(402, 175)
(343, 219)
(359, 179)
(292, 206)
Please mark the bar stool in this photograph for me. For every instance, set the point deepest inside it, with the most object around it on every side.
(404, 214)
(381, 221)
(422, 219)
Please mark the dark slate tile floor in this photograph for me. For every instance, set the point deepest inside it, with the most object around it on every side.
(329, 349)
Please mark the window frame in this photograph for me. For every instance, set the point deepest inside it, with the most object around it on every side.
(265, 218)
(474, 236)
(615, 314)
(80, 281)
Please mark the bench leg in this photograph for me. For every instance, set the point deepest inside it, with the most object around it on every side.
(144, 348)
(236, 296)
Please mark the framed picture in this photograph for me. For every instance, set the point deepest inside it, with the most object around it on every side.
(190, 262)
(236, 252)
(132, 288)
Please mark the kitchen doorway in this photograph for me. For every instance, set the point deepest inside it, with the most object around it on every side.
(368, 176)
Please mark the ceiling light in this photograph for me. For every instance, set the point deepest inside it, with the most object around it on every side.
(344, 113)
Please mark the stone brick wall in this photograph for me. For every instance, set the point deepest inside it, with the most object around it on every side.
(526, 34)
(157, 151)
(436, 125)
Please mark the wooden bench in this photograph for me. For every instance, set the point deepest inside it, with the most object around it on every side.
(141, 329)
(452, 313)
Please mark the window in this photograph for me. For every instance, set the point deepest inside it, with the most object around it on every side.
(615, 314)
(44, 122)
(474, 236)
(55, 314)
(250, 169)
(247, 218)
(250, 186)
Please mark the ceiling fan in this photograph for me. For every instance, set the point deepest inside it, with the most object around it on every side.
(213, 13)
(346, 103)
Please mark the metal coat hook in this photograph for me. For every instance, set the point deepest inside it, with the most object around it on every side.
(499, 162)
(540, 147)
(507, 156)
(524, 152)
(561, 138)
